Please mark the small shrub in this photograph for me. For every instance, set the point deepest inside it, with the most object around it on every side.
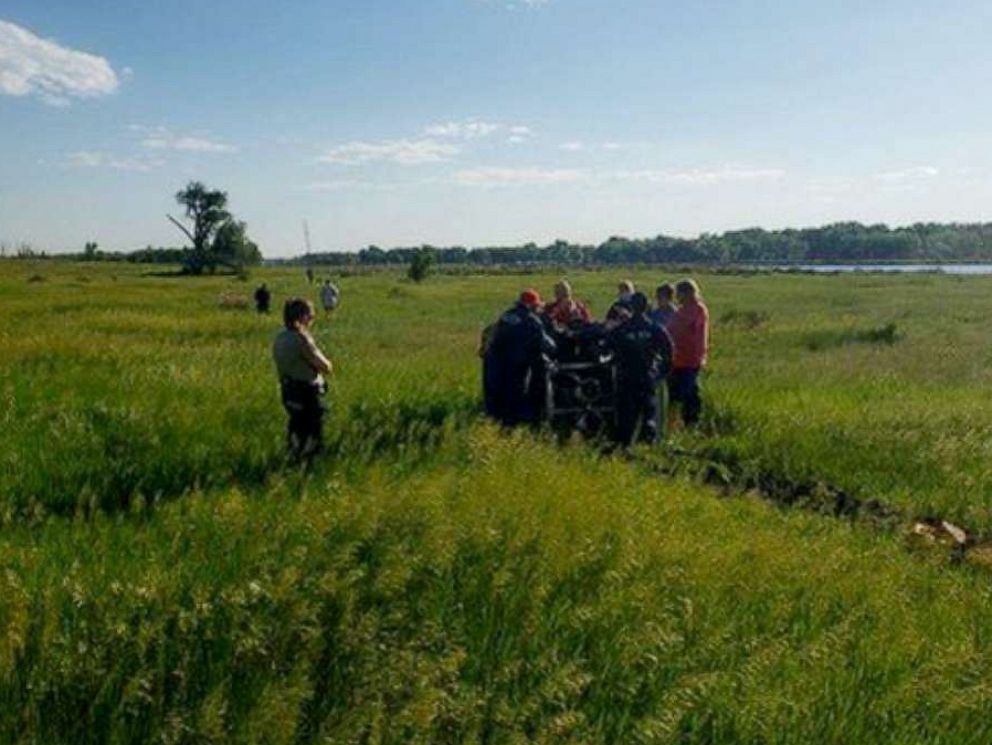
(232, 301)
(35, 278)
(816, 341)
(746, 319)
(420, 265)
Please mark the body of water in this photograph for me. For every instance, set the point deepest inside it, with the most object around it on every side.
(893, 268)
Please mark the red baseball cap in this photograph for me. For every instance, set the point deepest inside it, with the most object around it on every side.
(530, 298)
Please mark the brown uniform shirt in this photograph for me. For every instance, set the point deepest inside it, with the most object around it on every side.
(290, 352)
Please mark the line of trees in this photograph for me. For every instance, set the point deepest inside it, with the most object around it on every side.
(219, 240)
(225, 243)
(840, 242)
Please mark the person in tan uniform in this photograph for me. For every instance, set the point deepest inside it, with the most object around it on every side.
(301, 367)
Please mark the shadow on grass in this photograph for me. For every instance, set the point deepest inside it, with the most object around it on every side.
(123, 464)
(749, 320)
(819, 340)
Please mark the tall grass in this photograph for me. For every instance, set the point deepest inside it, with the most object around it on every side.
(165, 576)
(507, 591)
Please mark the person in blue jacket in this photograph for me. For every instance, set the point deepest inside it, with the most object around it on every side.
(514, 363)
(643, 353)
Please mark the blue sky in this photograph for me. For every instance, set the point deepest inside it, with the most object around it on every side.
(484, 122)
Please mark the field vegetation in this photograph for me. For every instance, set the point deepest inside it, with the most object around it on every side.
(164, 575)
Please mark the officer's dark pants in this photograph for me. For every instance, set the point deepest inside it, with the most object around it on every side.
(490, 394)
(637, 405)
(305, 434)
(683, 389)
(508, 396)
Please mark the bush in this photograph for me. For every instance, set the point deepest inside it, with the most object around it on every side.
(420, 264)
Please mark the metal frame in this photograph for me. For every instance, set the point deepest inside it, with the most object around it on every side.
(603, 406)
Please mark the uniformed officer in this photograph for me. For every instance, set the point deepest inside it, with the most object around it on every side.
(643, 351)
(514, 363)
(301, 367)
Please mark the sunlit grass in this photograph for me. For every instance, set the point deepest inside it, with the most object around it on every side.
(165, 576)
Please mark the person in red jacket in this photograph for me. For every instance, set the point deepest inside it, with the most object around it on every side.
(690, 332)
(565, 310)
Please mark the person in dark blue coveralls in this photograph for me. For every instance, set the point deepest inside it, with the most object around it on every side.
(643, 352)
(514, 363)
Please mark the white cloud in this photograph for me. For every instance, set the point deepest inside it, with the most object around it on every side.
(519, 133)
(518, 176)
(336, 185)
(474, 129)
(32, 65)
(363, 185)
(403, 152)
(501, 176)
(704, 177)
(577, 146)
(100, 159)
(161, 138)
(908, 174)
(467, 130)
(513, 4)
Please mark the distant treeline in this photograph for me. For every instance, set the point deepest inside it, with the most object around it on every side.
(91, 252)
(840, 242)
(845, 242)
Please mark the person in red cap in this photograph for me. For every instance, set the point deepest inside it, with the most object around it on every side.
(514, 362)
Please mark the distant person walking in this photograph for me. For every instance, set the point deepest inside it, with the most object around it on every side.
(330, 296)
(643, 352)
(690, 331)
(301, 367)
(263, 298)
(666, 308)
(309, 274)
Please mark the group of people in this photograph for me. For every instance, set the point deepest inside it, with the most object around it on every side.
(650, 345)
(666, 342)
(330, 296)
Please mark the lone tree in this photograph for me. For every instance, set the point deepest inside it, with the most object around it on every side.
(233, 247)
(420, 263)
(208, 211)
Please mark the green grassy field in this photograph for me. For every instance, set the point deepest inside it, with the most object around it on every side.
(164, 576)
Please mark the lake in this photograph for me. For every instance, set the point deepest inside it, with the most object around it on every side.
(896, 268)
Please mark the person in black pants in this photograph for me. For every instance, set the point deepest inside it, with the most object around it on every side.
(643, 354)
(262, 298)
(514, 362)
(301, 367)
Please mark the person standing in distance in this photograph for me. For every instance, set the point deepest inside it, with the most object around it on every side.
(262, 298)
(330, 296)
(690, 330)
(301, 367)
